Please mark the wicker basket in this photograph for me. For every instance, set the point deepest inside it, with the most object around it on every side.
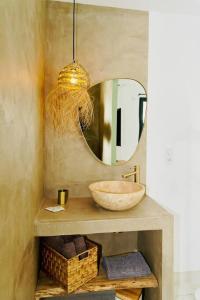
(73, 272)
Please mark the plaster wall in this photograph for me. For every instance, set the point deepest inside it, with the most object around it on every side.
(174, 129)
(21, 143)
(108, 49)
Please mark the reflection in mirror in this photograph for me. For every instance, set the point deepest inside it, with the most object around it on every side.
(119, 115)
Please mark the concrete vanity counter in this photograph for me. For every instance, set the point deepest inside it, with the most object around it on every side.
(82, 216)
(153, 224)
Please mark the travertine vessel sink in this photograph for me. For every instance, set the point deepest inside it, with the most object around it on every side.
(117, 195)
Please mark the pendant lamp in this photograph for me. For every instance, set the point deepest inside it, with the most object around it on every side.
(69, 104)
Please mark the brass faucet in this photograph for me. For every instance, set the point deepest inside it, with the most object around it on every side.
(135, 172)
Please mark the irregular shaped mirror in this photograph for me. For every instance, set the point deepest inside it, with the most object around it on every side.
(119, 115)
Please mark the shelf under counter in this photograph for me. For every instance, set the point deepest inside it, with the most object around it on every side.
(83, 216)
(48, 288)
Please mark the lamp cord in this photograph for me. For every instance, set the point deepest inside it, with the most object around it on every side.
(74, 31)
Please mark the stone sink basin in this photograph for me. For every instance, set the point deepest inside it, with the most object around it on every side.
(117, 195)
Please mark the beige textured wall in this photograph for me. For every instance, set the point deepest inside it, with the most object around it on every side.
(111, 43)
(21, 143)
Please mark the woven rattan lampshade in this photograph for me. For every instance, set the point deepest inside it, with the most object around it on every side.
(69, 103)
(73, 77)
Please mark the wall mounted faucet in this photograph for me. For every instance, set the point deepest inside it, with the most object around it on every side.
(135, 173)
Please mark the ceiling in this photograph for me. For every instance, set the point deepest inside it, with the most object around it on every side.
(169, 6)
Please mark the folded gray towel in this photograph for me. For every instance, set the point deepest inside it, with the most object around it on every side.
(55, 242)
(125, 266)
(68, 250)
(80, 246)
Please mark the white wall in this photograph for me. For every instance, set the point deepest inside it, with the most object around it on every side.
(173, 160)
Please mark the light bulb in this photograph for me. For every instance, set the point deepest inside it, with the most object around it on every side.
(74, 80)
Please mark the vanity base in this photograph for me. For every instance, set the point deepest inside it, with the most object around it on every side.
(148, 225)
